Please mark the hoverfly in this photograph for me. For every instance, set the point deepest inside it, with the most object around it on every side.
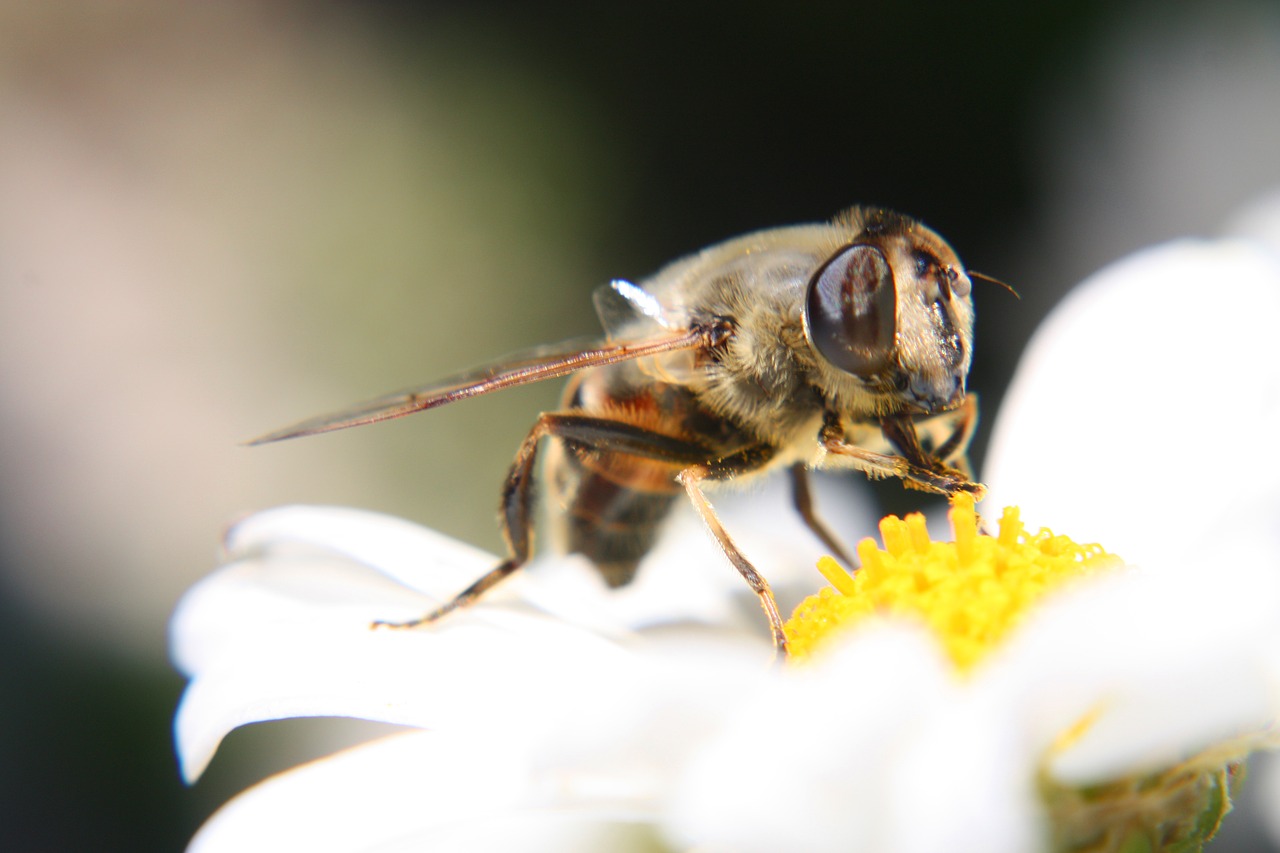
(844, 344)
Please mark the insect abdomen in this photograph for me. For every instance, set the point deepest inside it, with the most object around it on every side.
(611, 524)
(612, 503)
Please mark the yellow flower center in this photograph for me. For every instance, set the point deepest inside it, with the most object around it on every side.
(970, 592)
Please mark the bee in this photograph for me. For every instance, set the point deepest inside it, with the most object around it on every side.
(843, 344)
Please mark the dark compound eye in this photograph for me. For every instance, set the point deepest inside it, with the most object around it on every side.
(850, 311)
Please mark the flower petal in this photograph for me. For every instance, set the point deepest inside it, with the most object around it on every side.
(802, 765)
(1163, 664)
(1159, 370)
(966, 766)
(256, 651)
(417, 791)
(378, 796)
(414, 556)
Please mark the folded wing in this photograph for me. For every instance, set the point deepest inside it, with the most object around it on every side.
(546, 362)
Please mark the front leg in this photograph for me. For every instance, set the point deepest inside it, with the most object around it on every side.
(915, 468)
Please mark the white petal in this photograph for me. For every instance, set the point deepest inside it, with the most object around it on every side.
(415, 556)
(256, 651)
(1134, 421)
(244, 599)
(543, 832)
(1146, 398)
(640, 734)
(802, 766)
(374, 797)
(1168, 663)
(966, 766)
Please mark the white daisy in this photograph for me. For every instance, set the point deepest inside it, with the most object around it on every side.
(1114, 711)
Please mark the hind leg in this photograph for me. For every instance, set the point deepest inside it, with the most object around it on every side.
(591, 433)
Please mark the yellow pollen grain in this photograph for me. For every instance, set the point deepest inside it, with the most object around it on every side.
(970, 592)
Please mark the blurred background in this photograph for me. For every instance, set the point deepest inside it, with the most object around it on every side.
(216, 219)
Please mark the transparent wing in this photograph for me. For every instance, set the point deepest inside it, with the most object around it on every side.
(626, 308)
(546, 362)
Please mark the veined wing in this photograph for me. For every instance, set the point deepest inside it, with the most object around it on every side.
(547, 362)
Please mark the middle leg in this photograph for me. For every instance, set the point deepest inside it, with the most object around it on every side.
(802, 497)
(726, 468)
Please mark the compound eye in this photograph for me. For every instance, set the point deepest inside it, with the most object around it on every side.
(850, 311)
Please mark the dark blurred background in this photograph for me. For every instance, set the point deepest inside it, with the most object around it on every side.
(219, 218)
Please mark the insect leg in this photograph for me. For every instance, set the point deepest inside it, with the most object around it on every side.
(955, 448)
(468, 596)
(918, 470)
(517, 499)
(900, 430)
(691, 478)
(517, 492)
(802, 496)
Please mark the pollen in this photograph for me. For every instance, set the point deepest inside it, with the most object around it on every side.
(970, 592)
